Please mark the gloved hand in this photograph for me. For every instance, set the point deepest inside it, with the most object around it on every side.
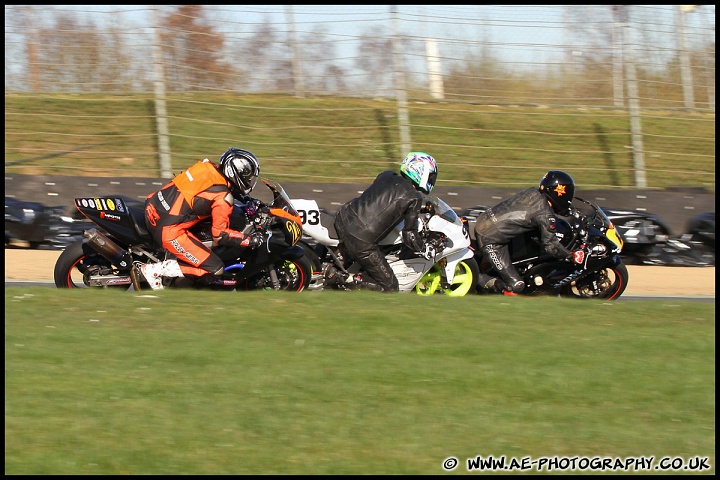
(413, 240)
(429, 251)
(252, 207)
(578, 256)
(253, 240)
(248, 204)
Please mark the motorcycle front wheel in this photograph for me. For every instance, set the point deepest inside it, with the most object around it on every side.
(78, 263)
(607, 284)
(464, 282)
(292, 276)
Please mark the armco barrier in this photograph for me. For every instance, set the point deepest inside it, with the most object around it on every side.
(674, 205)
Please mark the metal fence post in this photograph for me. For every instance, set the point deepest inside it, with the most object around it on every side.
(160, 101)
(685, 71)
(633, 101)
(400, 91)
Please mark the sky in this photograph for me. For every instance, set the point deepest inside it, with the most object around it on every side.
(522, 33)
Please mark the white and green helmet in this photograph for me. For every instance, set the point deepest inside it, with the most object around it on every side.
(421, 169)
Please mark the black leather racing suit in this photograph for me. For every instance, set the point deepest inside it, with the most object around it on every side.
(498, 225)
(362, 222)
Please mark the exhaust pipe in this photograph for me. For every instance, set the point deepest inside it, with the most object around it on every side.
(107, 248)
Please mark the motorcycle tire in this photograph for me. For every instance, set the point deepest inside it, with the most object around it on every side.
(606, 284)
(77, 262)
(464, 282)
(293, 275)
(312, 256)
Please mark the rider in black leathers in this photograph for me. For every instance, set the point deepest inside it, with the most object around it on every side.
(535, 207)
(362, 222)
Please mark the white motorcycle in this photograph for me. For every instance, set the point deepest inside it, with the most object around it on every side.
(453, 271)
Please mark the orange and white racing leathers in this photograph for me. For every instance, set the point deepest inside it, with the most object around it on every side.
(194, 195)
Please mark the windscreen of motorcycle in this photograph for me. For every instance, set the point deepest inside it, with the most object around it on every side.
(444, 210)
(288, 219)
(605, 225)
(448, 222)
(612, 235)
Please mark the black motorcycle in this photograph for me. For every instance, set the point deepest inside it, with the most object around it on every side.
(106, 256)
(601, 274)
(39, 226)
(648, 240)
(641, 231)
(694, 248)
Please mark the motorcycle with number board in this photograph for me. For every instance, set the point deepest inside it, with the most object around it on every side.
(106, 255)
(453, 271)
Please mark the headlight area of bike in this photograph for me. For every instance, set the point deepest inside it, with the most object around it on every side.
(614, 243)
(608, 230)
(613, 235)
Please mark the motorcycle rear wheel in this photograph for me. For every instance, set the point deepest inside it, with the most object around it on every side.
(79, 262)
(607, 284)
(464, 282)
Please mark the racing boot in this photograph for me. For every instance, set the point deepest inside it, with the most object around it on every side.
(153, 273)
(513, 285)
(500, 259)
(488, 284)
(333, 276)
(365, 283)
(500, 286)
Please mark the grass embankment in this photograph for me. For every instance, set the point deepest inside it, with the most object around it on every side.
(350, 140)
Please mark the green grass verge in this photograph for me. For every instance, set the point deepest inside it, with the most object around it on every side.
(350, 140)
(183, 382)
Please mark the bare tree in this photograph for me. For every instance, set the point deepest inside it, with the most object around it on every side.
(119, 68)
(193, 50)
(589, 56)
(480, 74)
(335, 79)
(71, 54)
(268, 55)
(21, 68)
(319, 72)
(376, 58)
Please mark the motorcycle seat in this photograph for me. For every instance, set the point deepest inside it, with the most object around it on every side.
(138, 219)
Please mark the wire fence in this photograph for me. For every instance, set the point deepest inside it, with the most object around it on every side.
(522, 66)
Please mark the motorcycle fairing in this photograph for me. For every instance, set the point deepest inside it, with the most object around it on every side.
(409, 270)
(114, 216)
(453, 259)
(612, 234)
(312, 226)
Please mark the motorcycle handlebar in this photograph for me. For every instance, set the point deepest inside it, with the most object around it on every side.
(437, 240)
